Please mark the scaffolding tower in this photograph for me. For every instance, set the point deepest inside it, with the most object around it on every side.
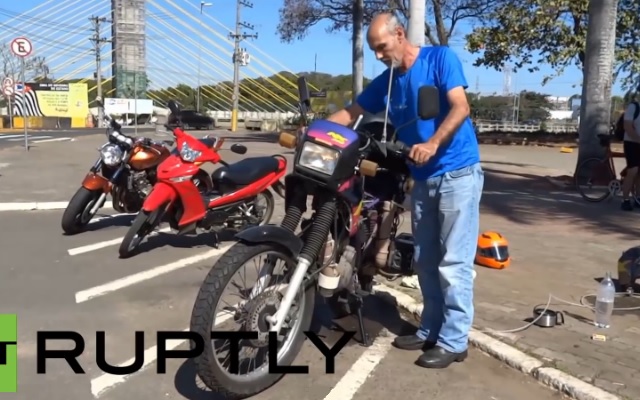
(129, 48)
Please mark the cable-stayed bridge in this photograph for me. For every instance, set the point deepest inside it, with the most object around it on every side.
(150, 49)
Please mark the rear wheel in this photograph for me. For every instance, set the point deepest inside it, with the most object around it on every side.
(264, 214)
(260, 211)
(594, 178)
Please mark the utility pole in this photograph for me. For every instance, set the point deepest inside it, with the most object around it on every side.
(98, 41)
(240, 58)
(417, 19)
(202, 6)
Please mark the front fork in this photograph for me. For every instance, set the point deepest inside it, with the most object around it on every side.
(276, 321)
(103, 196)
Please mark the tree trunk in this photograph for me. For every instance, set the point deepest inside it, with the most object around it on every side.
(358, 49)
(595, 108)
(417, 19)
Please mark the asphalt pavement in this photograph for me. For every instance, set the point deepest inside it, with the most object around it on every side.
(36, 137)
(78, 283)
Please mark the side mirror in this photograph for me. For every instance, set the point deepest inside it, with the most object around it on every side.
(428, 102)
(173, 107)
(238, 148)
(303, 92)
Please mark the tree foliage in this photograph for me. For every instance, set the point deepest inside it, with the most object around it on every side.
(11, 66)
(272, 93)
(298, 16)
(528, 33)
(533, 107)
(443, 16)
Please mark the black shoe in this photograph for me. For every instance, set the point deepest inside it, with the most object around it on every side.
(439, 358)
(626, 205)
(412, 342)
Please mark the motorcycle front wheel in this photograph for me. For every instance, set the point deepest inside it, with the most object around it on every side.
(144, 223)
(77, 215)
(254, 310)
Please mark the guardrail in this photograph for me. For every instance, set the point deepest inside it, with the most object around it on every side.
(506, 127)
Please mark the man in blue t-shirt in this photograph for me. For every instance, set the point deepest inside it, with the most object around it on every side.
(448, 183)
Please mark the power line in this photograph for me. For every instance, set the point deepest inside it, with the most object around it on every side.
(98, 41)
(42, 22)
(240, 58)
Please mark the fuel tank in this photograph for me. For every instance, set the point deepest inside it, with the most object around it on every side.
(145, 157)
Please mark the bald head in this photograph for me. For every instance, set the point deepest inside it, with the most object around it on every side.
(384, 24)
(386, 37)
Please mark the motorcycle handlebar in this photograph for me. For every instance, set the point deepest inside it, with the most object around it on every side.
(122, 138)
(400, 148)
(370, 168)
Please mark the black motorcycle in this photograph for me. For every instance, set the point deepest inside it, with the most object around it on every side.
(330, 162)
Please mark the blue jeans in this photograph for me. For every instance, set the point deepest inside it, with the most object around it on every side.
(446, 222)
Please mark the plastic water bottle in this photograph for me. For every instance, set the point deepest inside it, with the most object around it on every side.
(604, 302)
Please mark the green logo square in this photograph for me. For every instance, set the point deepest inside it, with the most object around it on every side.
(8, 353)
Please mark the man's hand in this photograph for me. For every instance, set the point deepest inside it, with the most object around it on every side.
(422, 152)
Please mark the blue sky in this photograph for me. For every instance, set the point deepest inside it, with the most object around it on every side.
(172, 44)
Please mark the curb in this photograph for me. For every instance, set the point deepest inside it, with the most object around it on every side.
(571, 386)
(40, 206)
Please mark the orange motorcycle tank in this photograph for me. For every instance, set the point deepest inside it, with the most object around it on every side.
(145, 157)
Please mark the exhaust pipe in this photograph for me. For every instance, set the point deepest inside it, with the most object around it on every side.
(381, 248)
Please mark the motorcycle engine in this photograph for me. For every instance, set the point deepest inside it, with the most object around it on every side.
(346, 267)
(140, 183)
(342, 271)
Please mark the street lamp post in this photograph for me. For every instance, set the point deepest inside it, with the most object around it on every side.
(202, 6)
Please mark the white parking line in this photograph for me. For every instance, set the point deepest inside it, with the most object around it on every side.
(106, 382)
(100, 245)
(107, 216)
(29, 137)
(130, 280)
(360, 371)
(59, 139)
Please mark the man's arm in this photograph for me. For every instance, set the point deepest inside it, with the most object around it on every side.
(629, 126)
(347, 115)
(453, 82)
(370, 100)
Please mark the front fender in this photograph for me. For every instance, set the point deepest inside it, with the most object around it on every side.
(93, 181)
(161, 194)
(272, 234)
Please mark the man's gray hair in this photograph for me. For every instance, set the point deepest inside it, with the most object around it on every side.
(394, 23)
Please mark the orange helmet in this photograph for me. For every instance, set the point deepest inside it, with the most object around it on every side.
(493, 250)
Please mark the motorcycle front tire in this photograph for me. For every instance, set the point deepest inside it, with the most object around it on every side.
(72, 219)
(142, 225)
(204, 315)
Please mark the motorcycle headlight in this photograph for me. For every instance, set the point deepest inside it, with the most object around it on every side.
(188, 154)
(111, 155)
(318, 158)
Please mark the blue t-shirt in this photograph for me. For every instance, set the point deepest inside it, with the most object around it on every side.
(438, 66)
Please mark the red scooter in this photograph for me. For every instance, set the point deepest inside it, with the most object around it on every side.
(232, 203)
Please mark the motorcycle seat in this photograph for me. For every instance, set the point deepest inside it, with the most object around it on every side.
(246, 171)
